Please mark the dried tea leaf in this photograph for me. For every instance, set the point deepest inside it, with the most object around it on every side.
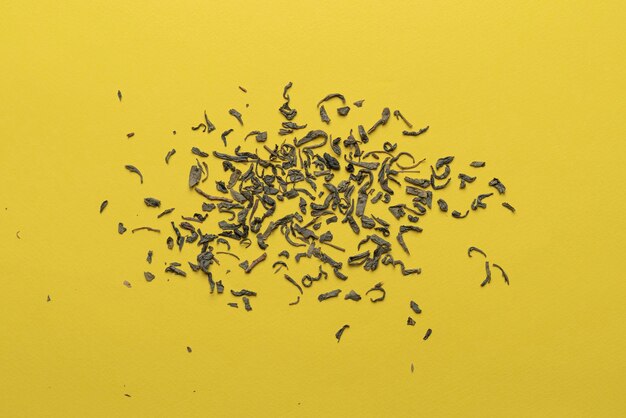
(443, 206)
(477, 164)
(488, 278)
(246, 303)
(135, 170)
(508, 206)
(416, 133)
(195, 175)
(148, 276)
(377, 288)
(151, 202)
(343, 111)
(224, 135)
(121, 228)
(399, 116)
(415, 307)
(149, 257)
(165, 212)
(209, 126)
(127, 284)
(352, 295)
(242, 292)
(497, 185)
(478, 250)
(197, 151)
(504, 275)
(324, 115)
(339, 333)
(119, 95)
(236, 115)
(145, 228)
(410, 321)
(328, 295)
(427, 335)
(384, 118)
(169, 155)
(358, 103)
(332, 96)
(103, 205)
(458, 215)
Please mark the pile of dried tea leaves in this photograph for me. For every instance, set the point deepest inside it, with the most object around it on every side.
(333, 180)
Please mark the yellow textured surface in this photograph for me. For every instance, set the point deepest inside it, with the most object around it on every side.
(536, 89)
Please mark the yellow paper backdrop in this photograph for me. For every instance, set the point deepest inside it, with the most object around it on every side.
(536, 89)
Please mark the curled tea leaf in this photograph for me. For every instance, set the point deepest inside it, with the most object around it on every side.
(135, 170)
(169, 155)
(504, 275)
(377, 288)
(478, 250)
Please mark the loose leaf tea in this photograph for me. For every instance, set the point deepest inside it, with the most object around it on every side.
(339, 333)
(236, 115)
(119, 95)
(246, 303)
(145, 228)
(399, 116)
(151, 202)
(488, 278)
(415, 307)
(416, 133)
(343, 111)
(506, 278)
(478, 250)
(169, 155)
(135, 170)
(344, 179)
(377, 288)
(328, 295)
(121, 228)
(382, 121)
(324, 115)
(352, 295)
(508, 206)
(165, 212)
(497, 185)
(103, 205)
(427, 335)
(459, 215)
(195, 175)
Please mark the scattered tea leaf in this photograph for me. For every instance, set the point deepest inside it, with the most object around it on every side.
(339, 333)
(135, 170)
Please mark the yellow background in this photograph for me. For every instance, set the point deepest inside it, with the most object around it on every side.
(534, 88)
